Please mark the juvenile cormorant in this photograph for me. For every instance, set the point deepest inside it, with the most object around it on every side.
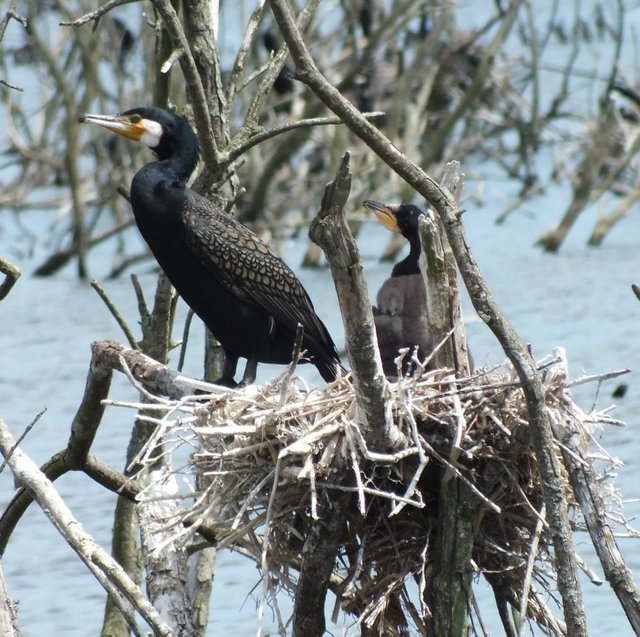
(246, 295)
(401, 314)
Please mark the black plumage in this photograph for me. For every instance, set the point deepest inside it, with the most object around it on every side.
(283, 84)
(401, 315)
(246, 295)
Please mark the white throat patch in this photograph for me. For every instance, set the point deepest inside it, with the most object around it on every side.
(152, 133)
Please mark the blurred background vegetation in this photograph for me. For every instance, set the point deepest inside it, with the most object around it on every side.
(512, 92)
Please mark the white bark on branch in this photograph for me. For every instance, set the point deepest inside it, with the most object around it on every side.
(8, 611)
(165, 563)
(106, 570)
(11, 274)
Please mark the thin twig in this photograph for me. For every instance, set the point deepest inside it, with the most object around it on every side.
(116, 314)
(21, 437)
(526, 584)
(96, 14)
(262, 136)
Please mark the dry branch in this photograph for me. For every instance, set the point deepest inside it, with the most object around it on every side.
(8, 611)
(56, 261)
(199, 99)
(106, 570)
(11, 275)
(584, 482)
(440, 272)
(148, 376)
(83, 431)
(602, 165)
(165, 563)
(606, 222)
(481, 298)
(317, 560)
(331, 232)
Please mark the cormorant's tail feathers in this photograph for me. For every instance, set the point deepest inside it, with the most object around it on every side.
(330, 370)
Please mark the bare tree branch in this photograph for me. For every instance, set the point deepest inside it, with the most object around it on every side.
(262, 136)
(96, 14)
(331, 232)
(584, 481)
(11, 273)
(8, 611)
(133, 343)
(199, 98)
(106, 570)
(514, 347)
(318, 559)
(144, 371)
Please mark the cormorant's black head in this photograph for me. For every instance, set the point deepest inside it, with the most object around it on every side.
(402, 218)
(166, 133)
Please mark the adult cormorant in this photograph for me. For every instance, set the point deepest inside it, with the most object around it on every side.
(246, 295)
(401, 316)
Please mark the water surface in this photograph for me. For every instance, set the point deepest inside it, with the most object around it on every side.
(580, 299)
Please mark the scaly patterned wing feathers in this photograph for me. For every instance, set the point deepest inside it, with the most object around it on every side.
(245, 265)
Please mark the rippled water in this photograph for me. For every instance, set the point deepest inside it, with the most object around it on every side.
(580, 299)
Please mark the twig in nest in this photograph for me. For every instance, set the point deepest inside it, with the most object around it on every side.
(526, 585)
(295, 357)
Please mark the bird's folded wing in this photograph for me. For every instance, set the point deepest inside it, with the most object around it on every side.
(246, 266)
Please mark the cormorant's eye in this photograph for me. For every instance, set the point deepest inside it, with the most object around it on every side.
(134, 119)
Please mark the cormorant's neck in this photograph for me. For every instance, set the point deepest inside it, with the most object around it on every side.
(409, 265)
(178, 152)
(180, 162)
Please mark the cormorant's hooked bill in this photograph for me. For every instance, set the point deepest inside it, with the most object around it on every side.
(397, 217)
(125, 126)
(245, 294)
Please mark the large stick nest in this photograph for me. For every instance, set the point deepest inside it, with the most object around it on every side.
(259, 461)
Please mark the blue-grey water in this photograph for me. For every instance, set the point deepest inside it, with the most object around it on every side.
(580, 299)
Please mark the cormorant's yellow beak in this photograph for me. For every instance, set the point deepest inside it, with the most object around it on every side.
(385, 214)
(129, 126)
